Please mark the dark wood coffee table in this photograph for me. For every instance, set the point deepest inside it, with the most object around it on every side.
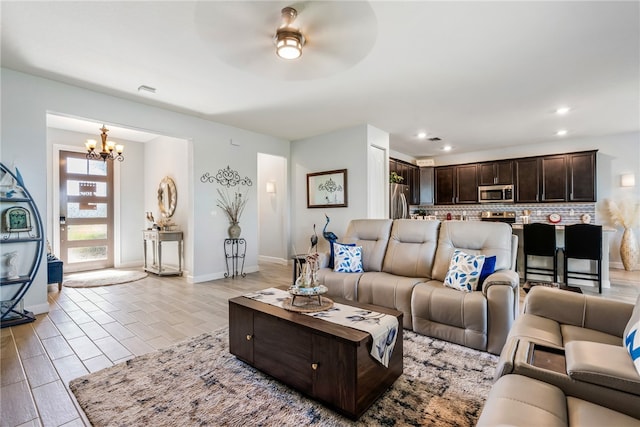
(326, 361)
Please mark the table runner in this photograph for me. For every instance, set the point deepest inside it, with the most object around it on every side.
(383, 328)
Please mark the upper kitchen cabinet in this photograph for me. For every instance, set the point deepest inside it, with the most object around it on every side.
(582, 176)
(456, 184)
(527, 180)
(445, 185)
(411, 177)
(554, 178)
(426, 186)
(467, 184)
(557, 178)
(495, 173)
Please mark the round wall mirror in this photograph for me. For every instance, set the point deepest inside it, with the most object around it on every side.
(167, 197)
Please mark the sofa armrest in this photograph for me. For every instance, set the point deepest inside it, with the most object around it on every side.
(602, 364)
(586, 311)
(502, 293)
(501, 277)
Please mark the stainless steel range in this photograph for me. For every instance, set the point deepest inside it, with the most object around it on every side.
(506, 216)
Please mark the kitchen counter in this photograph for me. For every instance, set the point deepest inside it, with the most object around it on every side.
(582, 264)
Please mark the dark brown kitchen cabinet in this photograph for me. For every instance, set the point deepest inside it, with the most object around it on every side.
(553, 171)
(527, 181)
(415, 186)
(456, 184)
(495, 173)
(466, 184)
(582, 176)
(411, 177)
(445, 181)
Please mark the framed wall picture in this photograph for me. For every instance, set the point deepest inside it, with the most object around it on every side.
(327, 189)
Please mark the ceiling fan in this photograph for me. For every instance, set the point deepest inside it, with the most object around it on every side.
(335, 35)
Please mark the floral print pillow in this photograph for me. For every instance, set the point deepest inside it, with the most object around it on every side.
(348, 259)
(464, 271)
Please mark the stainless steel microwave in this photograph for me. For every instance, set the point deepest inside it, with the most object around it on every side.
(495, 193)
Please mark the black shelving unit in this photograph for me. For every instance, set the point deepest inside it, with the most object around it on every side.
(28, 243)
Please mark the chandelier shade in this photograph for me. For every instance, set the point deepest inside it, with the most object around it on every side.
(110, 150)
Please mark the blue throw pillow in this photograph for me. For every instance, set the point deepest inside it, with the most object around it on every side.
(632, 343)
(488, 268)
(332, 255)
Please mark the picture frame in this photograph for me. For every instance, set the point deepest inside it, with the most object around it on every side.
(327, 189)
(17, 219)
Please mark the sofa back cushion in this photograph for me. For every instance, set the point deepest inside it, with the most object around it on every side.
(412, 248)
(476, 238)
(373, 236)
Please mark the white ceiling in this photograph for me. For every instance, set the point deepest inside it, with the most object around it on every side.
(479, 75)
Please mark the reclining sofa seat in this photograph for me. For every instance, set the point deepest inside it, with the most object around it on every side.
(408, 261)
(373, 236)
(480, 319)
(403, 256)
(590, 329)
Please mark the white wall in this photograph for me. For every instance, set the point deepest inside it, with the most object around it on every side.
(26, 100)
(273, 208)
(166, 156)
(342, 149)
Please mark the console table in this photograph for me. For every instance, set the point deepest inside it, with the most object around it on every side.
(234, 252)
(156, 238)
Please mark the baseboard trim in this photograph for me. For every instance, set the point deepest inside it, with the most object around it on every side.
(274, 260)
(219, 275)
(38, 308)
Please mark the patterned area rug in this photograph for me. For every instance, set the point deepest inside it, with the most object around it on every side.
(91, 279)
(198, 382)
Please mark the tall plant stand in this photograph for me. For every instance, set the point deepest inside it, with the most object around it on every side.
(234, 254)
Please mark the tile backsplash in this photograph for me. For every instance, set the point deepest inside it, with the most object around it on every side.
(570, 212)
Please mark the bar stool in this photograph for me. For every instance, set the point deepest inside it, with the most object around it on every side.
(540, 240)
(583, 241)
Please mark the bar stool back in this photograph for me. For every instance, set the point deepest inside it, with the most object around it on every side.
(540, 240)
(583, 241)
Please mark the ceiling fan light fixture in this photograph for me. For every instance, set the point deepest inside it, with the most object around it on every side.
(289, 44)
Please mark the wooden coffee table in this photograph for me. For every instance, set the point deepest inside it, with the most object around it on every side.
(326, 361)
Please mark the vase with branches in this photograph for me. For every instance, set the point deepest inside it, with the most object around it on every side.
(232, 206)
(625, 213)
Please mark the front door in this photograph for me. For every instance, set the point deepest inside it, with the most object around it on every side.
(86, 212)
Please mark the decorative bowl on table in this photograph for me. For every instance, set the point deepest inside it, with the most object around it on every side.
(310, 291)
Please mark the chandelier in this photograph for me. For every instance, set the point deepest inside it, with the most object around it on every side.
(110, 151)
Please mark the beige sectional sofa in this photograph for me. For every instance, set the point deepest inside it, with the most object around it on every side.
(405, 262)
(585, 333)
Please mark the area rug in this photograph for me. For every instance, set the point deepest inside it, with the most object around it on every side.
(90, 279)
(198, 382)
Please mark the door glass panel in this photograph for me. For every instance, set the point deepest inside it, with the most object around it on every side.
(87, 232)
(88, 167)
(92, 253)
(86, 210)
(86, 188)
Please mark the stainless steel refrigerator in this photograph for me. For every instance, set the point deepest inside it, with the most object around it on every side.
(399, 204)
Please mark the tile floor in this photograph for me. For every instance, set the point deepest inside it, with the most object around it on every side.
(89, 329)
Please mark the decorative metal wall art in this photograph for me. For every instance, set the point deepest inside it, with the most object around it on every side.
(227, 178)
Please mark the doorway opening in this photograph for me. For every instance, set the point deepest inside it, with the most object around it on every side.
(86, 212)
(272, 212)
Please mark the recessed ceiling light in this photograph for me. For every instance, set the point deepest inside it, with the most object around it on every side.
(562, 110)
(447, 148)
(561, 132)
(422, 135)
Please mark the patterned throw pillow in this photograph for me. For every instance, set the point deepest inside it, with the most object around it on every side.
(464, 271)
(332, 255)
(348, 259)
(632, 342)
